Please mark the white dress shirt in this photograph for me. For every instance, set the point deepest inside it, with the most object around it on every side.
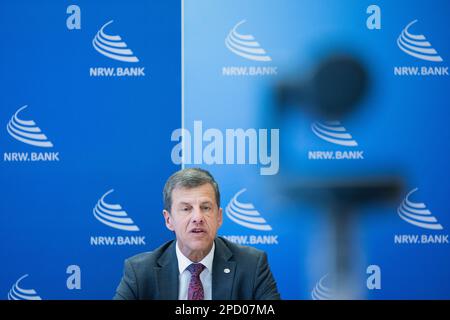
(185, 276)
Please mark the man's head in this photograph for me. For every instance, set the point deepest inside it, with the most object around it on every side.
(192, 210)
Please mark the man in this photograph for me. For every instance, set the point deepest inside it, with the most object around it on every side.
(198, 265)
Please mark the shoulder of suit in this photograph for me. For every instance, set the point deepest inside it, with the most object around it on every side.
(238, 249)
(149, 257)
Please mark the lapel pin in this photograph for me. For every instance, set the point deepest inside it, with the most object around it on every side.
(226, 270)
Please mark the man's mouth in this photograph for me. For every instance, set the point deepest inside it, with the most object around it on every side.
(198, 231)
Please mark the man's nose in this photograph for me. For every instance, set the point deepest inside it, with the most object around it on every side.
(197, 216)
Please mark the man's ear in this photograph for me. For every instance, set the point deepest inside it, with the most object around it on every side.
(168, 220)
(220, 217)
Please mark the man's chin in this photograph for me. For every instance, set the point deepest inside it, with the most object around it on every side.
(200, 243)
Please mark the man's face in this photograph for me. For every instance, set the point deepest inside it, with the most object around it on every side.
(195, 219)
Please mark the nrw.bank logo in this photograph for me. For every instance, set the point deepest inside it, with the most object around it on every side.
(27, 132)
(113, 215)
(113, 47)
(322, 290)
(418, 47)
(334, 133)
(18, 293)
(417, 214)
(246, 46)
(326, 287)
(246, 215)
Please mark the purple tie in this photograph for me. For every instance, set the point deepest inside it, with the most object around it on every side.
(195, 291)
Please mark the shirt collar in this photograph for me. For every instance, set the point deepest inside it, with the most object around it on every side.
(184, 262)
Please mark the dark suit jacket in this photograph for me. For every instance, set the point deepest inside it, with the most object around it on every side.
(154, 275)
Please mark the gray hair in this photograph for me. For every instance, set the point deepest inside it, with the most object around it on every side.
(188, 178)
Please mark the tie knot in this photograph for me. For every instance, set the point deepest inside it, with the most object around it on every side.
(195, 269)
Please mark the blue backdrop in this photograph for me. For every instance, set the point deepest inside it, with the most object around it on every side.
(96, 96)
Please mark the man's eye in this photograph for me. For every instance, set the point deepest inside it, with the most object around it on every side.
(185, 209)
(206, 208)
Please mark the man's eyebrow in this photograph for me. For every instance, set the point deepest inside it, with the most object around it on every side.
(183, 203)
(206, 202)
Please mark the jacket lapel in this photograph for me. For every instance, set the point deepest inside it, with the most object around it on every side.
(167, 274)
(223, 272)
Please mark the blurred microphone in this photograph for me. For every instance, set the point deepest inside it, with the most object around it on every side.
(334, 89)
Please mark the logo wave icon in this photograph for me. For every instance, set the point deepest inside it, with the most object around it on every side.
(417, 45)
(17, 293)
(112, 215)
(244, 45)
(334, 132)
(112, 46)
(321, 291)
(417, 214)
(26, 131)
(245, 214)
